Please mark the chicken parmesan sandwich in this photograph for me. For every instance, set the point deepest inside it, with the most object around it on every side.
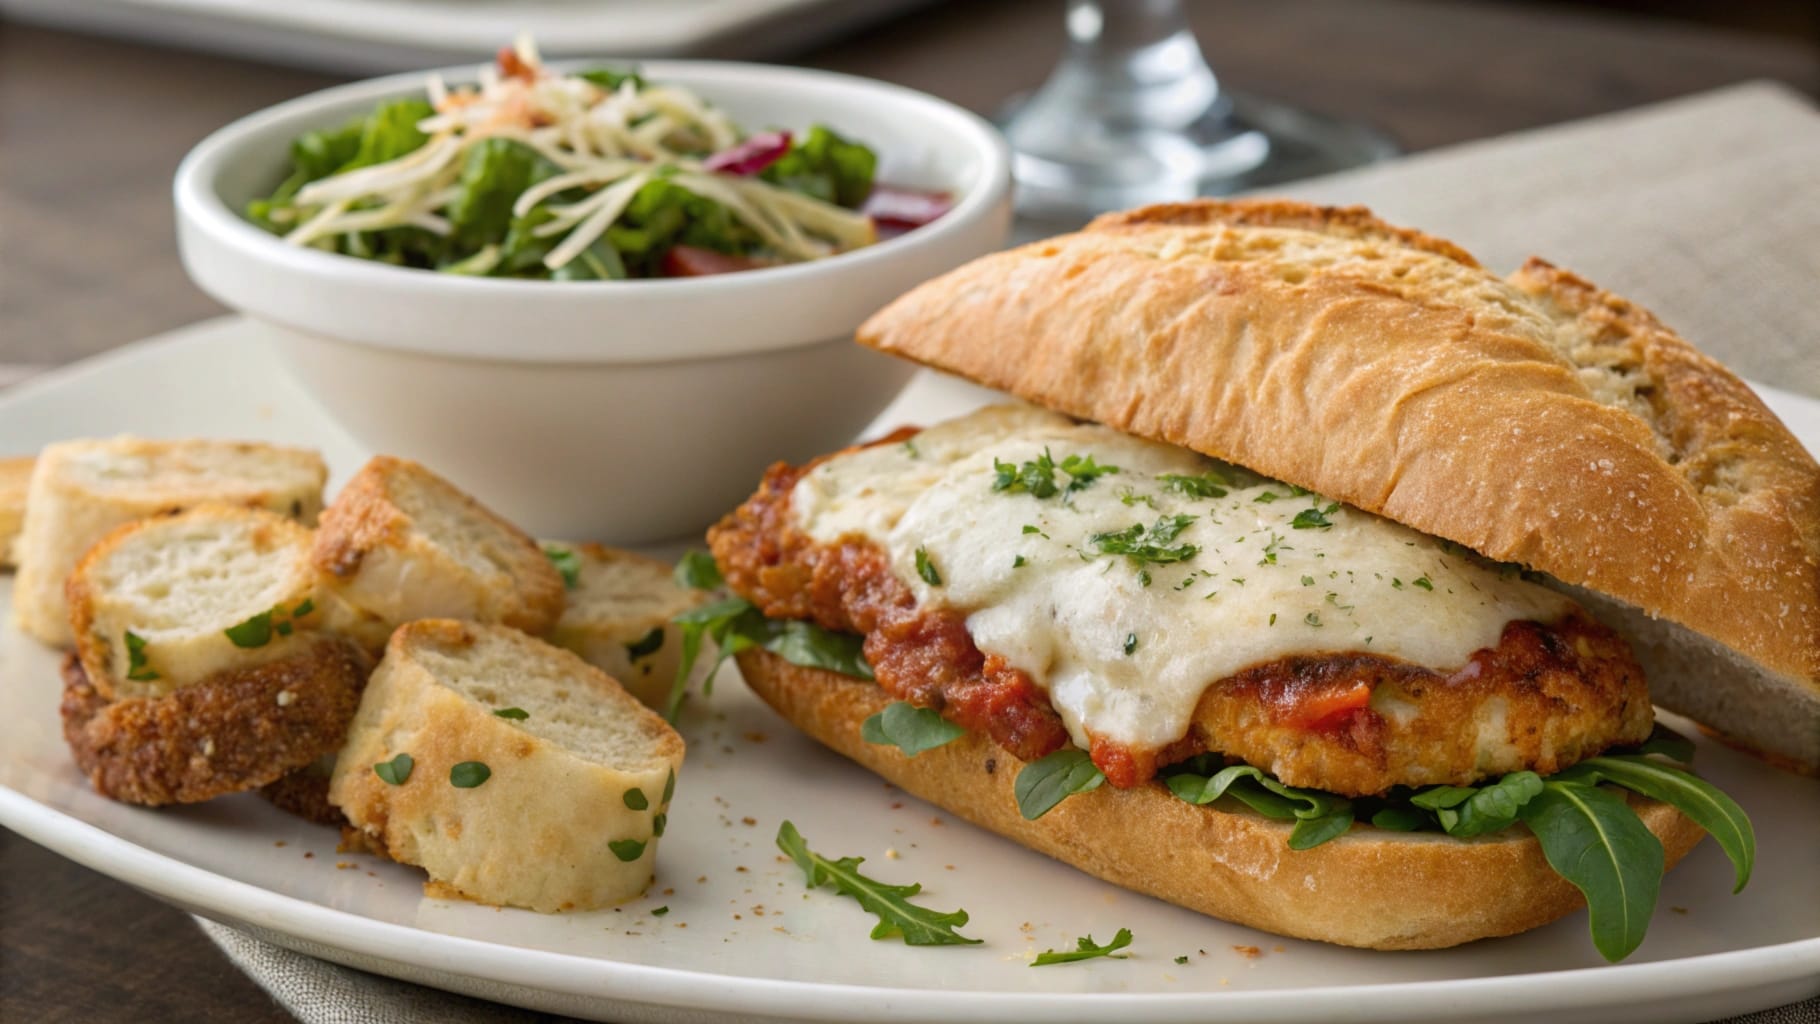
(1322, 585)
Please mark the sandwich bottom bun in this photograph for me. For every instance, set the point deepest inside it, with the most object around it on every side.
(1370, 888)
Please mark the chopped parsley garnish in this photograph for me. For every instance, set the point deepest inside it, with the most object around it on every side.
(1018, 562)
(1132, 498)
(1086, 949)
(1130, 644)
(469, 774)
(1030, 529)
(1422, 581)
(635, 799)
(396, 771)
(567, 562)
(515, 714)
(669, 786)
(257, 631)
(1308, 581)
(136, 667)
(1148, 545)
(1314, 518)
(1210, 484)
(657, 824)
(646, 645)
(1266, 497)
(1312, 618)
(926, 569)
(1036, 477)
(627, 850)
(897, 916)
(665, 909)
(1181, 959)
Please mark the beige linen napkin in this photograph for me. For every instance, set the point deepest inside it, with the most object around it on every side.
(1706, 210)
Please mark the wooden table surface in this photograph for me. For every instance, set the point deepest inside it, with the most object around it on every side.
(91, 130)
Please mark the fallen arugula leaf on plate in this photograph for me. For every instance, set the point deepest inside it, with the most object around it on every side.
(917, 926)
(1085, 949)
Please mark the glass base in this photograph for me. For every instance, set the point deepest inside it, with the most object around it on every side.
(1068, 171)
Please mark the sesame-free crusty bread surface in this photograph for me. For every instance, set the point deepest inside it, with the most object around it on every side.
(570, 814)
(80, 490)
(1534, 419)
(239, 730)
(1369, 888)
(400, 543)
(617, 617)
(178, 585)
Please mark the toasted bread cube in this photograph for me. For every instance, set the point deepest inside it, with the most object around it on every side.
(400, 543)
(164, 603)
(618, 616)
(511, 771)
(81, 490)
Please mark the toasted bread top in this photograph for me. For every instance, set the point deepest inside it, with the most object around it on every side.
(1536, 420)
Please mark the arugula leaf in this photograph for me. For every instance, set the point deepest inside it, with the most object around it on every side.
(610, 79)
(735, 624)
(910, 728)
(137, 669)
(1148, 545)
(1211, 484)
(1048, 781)
(825, 165)
(1693, 796)
(1594, 840)
(897, 916)
(1668, 743)
(1319, 816)
(567, 563)
(513, 714)
(698, 571)
(493, 174)
(1398, 818)
(390, 132)
(1085, 949)
(1492, 808)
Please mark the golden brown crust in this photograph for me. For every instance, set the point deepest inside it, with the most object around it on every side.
(1539, 420)
(238, 731)
(305, 793)
(1370, 888)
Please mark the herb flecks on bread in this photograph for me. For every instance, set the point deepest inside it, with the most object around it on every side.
(560, 808)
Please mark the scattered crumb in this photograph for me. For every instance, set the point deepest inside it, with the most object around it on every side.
(756, 737)
(1276, 949)
(780, 929)
(1248, 952)
(890, 853)
(669, 892)
(936, 822)
(741, 869)
(682, 924)
(702, 880)
(949, 867)
(343, 865)
(748, 821)
(1225, 981)
(308, 854)
(725, 749)
(736, 917)
(1679, 910)
(897, 805)
(279, 843)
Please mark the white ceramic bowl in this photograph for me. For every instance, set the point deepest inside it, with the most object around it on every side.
(623, 411)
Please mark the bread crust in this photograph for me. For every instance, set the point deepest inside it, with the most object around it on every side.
(386, 570)
(1369, 888)
(1537, 420)
(538, 832)
(81, 490)
(240, 730)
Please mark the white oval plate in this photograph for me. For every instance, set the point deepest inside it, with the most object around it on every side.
(742, 938)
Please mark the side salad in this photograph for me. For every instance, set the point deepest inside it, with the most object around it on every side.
(597, 175)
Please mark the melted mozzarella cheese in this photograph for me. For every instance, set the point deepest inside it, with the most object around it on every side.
(1125, 644)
